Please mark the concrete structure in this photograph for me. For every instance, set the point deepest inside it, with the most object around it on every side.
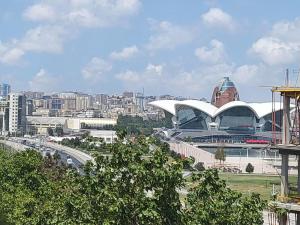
(17, 113)
(89, 123)
(39, 125)
(288, 149)
(109, 136)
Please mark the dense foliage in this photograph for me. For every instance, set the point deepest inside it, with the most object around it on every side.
(87, 143)
(137, 125)
(136, 185)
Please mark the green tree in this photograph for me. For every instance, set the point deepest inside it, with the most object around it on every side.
(212, 202)
(249, 168)
(220, 154)
(199, 166)
(59, 131)
(50, 131)
(135, 185)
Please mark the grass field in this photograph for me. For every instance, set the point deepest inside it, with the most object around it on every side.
(261, 184)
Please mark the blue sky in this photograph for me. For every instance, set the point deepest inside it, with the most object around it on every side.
(176, 47)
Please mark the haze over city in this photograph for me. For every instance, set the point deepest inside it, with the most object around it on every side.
(161, 46)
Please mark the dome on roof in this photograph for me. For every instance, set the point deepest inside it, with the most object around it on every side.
(224, 92)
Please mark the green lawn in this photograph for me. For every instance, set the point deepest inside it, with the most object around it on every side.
(261, 184)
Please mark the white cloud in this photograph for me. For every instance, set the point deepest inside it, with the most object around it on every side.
(84, 13)
(216, 17)
(40, 12)
(281, 46)
(61, 20)
(11, 56)
(44, 39)
(125, 53)
(246, 73)
(129, 76)
(155, 70)
(215, 54)
(274, 51)
(43, 81)
(168, 36)
(96, 69)
(150, 74)
(48, 39)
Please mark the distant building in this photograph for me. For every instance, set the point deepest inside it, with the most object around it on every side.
(4, 116)
(83, 102)
(33, 94)
(224, 93)
(29, 107)
(139, 101)
(56, 103)
(101, 99)
(40, 124)
(128, 94)
(4, 90)
(17, 112)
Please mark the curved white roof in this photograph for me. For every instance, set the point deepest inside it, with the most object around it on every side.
(167, 105)
(233, 104)
(205, 107)
(265, 108)
(259, 109)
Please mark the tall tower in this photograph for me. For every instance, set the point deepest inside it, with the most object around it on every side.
(224, 92)
(4, 90)
(17, 112)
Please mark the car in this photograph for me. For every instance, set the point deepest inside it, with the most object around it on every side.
(69, 161)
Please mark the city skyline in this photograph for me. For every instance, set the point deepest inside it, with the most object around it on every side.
(96, 46)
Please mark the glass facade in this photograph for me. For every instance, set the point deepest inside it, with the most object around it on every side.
(268, 121)
(237, 120)
(190, 118)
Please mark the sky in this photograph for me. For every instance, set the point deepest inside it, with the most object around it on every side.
(177, 47)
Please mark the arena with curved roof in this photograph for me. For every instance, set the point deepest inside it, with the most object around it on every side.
(236, 120)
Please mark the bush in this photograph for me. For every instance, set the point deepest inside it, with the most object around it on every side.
(249, 168)
(199, 166)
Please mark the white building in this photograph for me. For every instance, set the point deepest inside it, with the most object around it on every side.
(40, 124)
(109, 136)
(17, 112)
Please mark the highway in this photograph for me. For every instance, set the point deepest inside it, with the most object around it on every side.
(68, 155)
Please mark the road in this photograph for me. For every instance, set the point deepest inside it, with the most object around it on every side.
(68, 155)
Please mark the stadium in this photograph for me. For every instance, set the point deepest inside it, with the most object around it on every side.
(224, 119)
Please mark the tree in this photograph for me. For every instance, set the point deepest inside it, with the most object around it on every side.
(59, 131)
(249, 168)
(212, 202)
(220, 154)
(124, 188)
(50, 131)
(199, 166)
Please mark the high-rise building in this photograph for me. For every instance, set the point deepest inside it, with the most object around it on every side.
(17, 112)
(139, 101)
(83, 102)
(4, 90)
(29, 107)
(101, 99)
(4, 116)
(225, 92)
